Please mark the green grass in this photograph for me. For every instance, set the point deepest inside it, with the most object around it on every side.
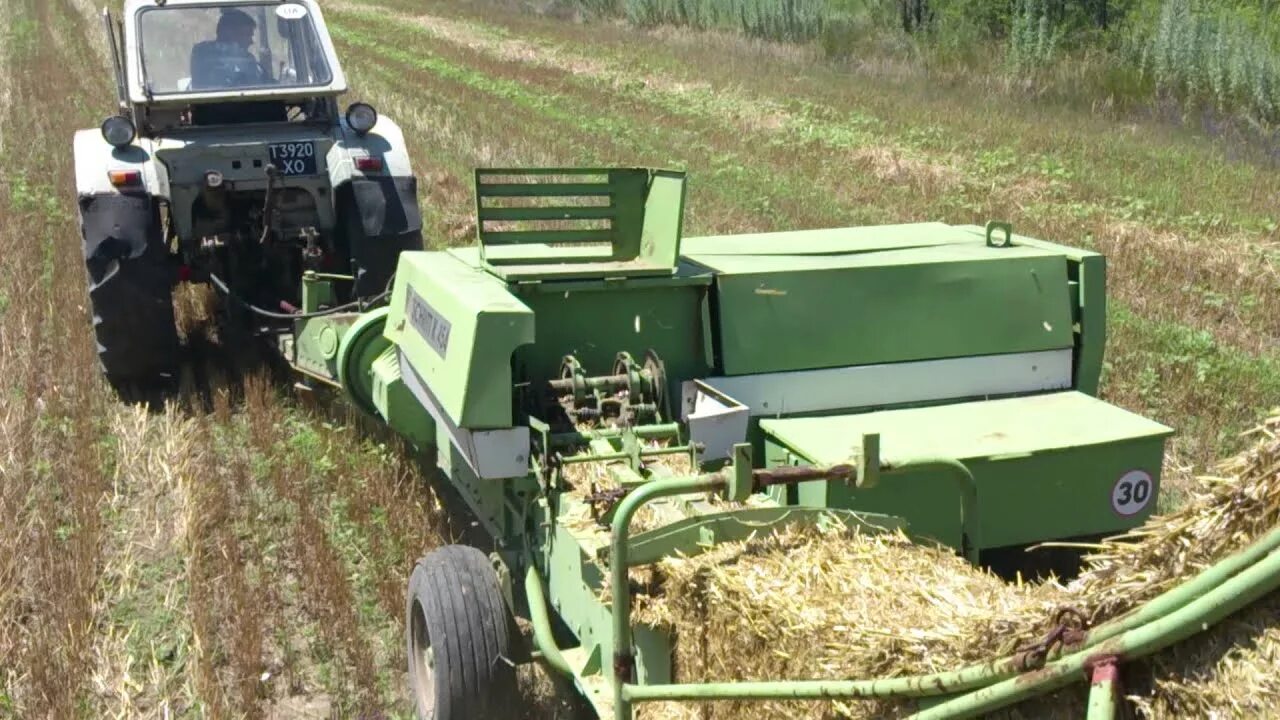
(1222, 55)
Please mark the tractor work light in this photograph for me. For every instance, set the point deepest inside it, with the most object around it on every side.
(118, 131)
(362, 117)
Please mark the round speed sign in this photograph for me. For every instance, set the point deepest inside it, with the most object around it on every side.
(1132, 492)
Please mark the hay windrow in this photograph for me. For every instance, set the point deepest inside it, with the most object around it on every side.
(808, 603)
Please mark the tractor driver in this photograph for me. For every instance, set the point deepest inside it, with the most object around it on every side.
(226, 61)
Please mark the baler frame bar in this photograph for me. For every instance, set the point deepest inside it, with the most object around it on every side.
(1176, 614)
(739, 479)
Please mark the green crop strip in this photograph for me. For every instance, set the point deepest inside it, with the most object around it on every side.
(757, 185)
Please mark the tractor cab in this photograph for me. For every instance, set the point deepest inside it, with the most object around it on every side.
(231, 62)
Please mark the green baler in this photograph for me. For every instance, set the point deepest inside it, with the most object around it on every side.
(935, 378)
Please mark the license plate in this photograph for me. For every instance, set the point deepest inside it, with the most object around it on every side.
(294, 158)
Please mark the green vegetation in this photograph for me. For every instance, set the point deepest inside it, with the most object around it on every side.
(788, 20)
(1223, 56)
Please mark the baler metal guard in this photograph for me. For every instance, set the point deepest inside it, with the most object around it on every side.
(1176, 614)
(867, 473)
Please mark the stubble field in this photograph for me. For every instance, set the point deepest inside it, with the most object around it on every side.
(244, 553)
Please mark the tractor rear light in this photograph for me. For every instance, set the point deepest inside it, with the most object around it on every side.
(369, 164)
(125, 178)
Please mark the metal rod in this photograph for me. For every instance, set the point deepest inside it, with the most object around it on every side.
(661, 431)
(312, 275)
(969, 527)
(1184, 593)
(792, 474)
(623, 656)
(543, 637)
(1104, 690)
(1196, 616)
(609, 457)
(608, 383)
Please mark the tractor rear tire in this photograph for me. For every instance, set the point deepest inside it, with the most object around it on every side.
(373, 258)
(133, 322)
(461, 638)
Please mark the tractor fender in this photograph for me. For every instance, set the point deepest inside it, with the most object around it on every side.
(116, 226)
(95, 158)
(387, 201)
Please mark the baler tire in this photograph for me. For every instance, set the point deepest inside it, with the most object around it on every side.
(133, 320)
(460, 638)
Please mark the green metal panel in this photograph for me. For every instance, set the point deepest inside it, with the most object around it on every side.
(801, 312)
(396, 403)
(1092, 288)
(486, 498)
(1046, 466)
(828, 241)
(315, 346)
(1088, 273)
(531, 223)
(458, 327)
(595, 320)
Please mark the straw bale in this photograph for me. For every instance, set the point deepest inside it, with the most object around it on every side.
(808, 603)
(833, 603)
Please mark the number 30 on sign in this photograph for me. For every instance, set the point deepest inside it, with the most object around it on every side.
(1132, 492)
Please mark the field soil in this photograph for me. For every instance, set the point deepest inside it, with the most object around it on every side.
(243, 553)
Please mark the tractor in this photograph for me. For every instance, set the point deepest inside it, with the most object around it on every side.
(229, 161)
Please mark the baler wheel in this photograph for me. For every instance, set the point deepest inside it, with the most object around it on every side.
(460, 638)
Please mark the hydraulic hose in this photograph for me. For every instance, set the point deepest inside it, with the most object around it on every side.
(1238, 592)
(356, 305)
(974, 676)
(268, 203)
